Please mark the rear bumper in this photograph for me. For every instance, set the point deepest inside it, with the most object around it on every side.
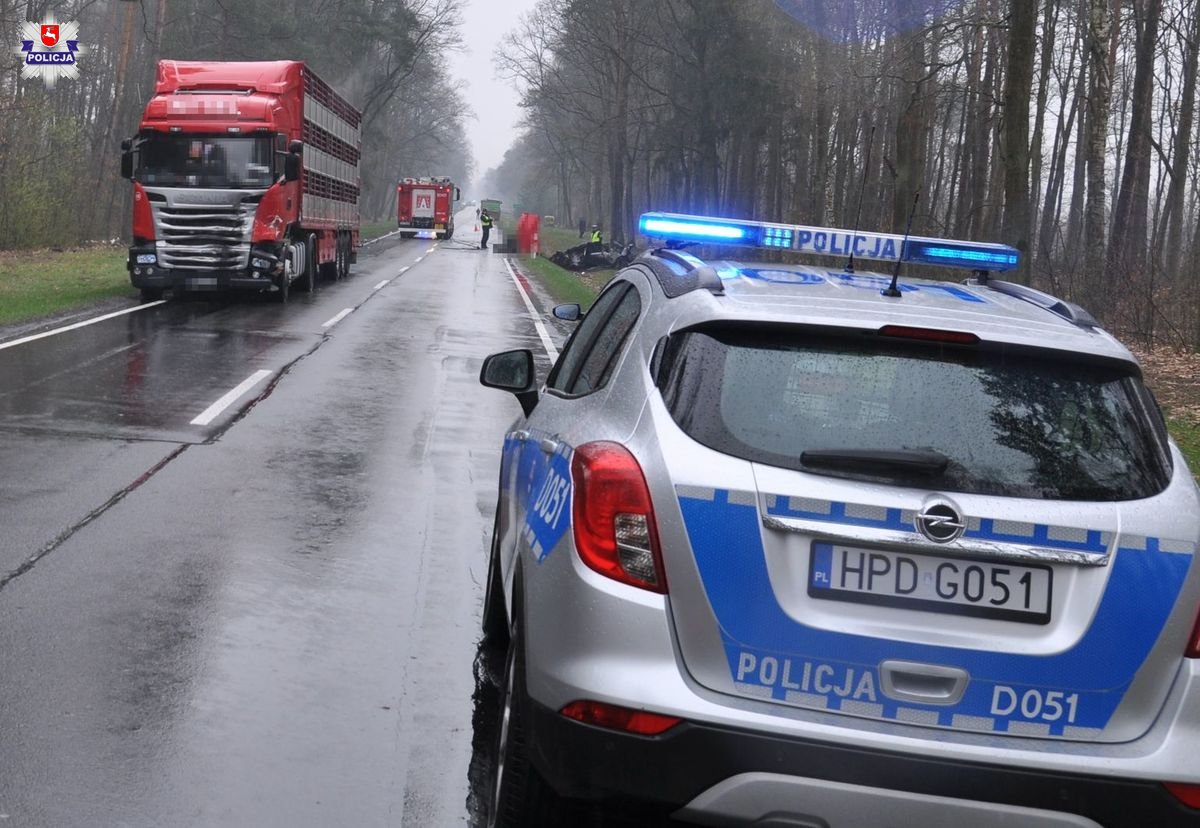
(722, 776)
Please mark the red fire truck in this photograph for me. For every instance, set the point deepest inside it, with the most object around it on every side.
(426, 204)
(245, 176)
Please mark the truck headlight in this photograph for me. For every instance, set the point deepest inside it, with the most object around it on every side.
(146, 258)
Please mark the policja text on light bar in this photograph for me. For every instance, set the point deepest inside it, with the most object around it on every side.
(887, 247)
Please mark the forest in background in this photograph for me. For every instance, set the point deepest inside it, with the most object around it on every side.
(60, 148)
(1063, 127)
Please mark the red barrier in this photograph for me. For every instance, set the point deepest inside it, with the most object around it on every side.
(527, 232)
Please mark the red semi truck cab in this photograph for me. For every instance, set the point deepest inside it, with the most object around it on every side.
(426, 204)
(245, 175)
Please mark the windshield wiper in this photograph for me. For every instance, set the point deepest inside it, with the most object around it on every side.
(867, 461)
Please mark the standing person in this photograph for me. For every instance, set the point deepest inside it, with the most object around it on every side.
(597, 236)
(485, 220)
(582, 227)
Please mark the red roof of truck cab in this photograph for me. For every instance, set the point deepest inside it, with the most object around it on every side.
(274, 77)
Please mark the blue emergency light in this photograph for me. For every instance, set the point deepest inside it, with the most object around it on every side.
(887, 247)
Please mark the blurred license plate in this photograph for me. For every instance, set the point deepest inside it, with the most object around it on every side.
(987, 589)
(202, 281)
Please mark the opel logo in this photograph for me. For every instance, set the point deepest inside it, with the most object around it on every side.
(940, 523)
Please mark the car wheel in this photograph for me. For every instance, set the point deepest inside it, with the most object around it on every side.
(495, 618)
(519, 795)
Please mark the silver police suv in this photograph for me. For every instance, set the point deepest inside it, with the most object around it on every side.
(787, 545)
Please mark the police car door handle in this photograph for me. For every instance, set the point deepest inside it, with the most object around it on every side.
(549, 445)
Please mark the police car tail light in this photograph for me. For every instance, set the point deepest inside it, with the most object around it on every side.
(1193, 648)
(929, 334)
(619, 718)
(615, 532)
(1189, 795)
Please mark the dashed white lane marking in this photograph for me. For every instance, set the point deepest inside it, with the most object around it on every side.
(213, 411)
(403, 270)
(418, 259)
(342, 314)
(547, 343)
(382, 284)
(14, 343)
(431, 249)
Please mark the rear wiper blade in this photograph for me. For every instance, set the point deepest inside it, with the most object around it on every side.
(876, 460)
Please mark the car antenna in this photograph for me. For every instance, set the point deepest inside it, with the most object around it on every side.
(893, 290)
(862, 191)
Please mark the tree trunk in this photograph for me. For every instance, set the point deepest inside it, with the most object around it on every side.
(1173, 245)
(911, 125)
(1127, 249)
(1018, 88)
(1049, 29)
(1099, 92)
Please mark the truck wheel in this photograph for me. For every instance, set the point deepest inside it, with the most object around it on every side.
(151, 294)
(449, 232)
(329, 270)
(309, 279)
(283, 287)
(344, 255)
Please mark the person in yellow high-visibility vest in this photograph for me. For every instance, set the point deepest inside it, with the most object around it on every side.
(597, 236)
(485, 220)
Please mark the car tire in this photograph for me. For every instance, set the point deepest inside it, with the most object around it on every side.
(519, 795)
(495, 618)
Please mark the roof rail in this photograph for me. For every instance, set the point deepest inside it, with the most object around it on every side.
(696, 276)
(1069, 311)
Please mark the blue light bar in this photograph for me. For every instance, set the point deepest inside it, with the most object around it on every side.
(690, 228)
(974, 256)
(888, 247)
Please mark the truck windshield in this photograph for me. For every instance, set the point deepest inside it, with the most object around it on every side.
(215, 161)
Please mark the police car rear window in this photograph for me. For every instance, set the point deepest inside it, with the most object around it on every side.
(1007, 423)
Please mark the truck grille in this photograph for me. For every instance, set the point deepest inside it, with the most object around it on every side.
(212, 237)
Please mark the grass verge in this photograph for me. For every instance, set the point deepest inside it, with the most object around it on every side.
(35, 283)
(374, 229)
(563, 285)
(1187, 435)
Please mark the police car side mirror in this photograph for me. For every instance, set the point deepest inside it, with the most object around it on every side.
(568, 313)
(512, 371)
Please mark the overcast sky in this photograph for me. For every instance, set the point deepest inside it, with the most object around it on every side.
(494, 102)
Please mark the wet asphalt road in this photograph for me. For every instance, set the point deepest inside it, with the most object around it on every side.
(270, 619)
